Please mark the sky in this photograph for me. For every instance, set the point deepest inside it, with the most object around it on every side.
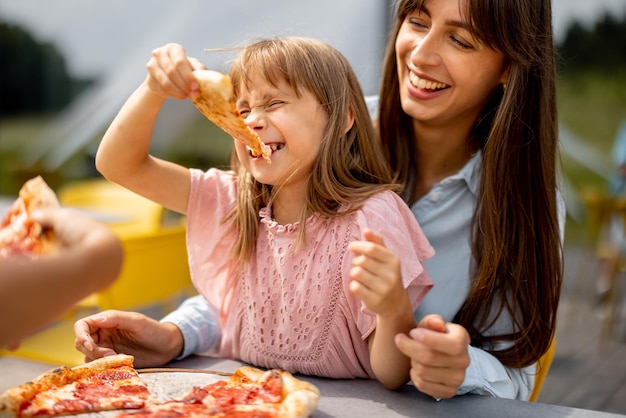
(91, 34)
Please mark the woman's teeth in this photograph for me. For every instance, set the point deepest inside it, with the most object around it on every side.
(420, 83)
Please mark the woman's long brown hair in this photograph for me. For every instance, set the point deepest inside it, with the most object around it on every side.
(350, 166)
(516, 240)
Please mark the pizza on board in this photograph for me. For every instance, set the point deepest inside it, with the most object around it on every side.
(216, 102)
(19, 234)
(112, 384)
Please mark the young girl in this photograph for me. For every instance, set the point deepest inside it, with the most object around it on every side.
(300, 256)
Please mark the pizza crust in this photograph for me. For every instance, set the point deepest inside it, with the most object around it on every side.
(216, 102)
(38, 195)
(300, 398)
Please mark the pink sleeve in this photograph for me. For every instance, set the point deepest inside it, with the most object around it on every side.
(209, 240)
(388, 215)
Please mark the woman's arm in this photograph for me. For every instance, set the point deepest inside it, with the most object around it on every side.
(487, 376)
(199, 324)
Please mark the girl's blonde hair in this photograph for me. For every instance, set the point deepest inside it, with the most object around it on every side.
(350, 166)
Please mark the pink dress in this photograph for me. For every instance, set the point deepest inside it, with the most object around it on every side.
(294, 310)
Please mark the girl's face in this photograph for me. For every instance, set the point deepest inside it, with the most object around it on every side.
(292, 126)
(446, 76)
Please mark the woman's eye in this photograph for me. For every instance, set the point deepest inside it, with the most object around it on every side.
(461, 43)
(244, 112)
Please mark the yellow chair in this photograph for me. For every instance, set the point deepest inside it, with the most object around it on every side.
(154, 278)
(543, 367)
(155, 268)
(127, 213)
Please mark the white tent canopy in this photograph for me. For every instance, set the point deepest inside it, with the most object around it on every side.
(357, 28)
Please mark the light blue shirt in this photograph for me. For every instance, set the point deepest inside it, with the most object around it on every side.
(445, 214)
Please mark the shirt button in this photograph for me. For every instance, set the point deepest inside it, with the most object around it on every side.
(434, 197)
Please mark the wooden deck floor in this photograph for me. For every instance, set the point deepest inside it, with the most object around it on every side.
(585, 373)
(589, 368)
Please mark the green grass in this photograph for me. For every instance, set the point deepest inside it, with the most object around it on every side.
(592, 106)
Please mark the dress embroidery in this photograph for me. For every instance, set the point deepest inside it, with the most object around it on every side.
(281, 321)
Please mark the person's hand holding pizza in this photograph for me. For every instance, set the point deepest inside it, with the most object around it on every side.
(73, 231)
(151, 342)
(170, 72)
(51, 257)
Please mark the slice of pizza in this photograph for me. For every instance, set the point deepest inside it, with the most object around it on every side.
(249, 392)
(216, 102)
(19, 234)
(105, 384)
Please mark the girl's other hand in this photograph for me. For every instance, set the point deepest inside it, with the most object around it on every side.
(376, 277)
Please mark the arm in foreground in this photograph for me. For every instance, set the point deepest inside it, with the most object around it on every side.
(87, 258)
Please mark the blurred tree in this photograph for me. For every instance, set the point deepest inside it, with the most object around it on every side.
(33, 76)
(601, 48)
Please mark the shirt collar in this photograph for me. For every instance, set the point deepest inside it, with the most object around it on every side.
(470, 173)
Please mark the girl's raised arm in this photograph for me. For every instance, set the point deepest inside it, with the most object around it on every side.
(123, 155)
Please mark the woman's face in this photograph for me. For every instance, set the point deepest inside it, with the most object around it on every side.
(292, 126)
(446, 76)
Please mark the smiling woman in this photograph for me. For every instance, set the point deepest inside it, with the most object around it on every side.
(449, 147)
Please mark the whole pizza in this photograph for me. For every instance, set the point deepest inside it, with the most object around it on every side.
(112, 384)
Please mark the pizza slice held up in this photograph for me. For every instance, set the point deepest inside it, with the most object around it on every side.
(216, 102)
(19, 233)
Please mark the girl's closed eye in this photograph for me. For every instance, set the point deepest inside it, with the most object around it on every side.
(275, 103)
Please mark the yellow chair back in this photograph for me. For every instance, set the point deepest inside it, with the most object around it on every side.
(543, 367)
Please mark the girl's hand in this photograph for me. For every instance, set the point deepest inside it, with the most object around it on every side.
(376, 277)
(377, 281)
(439, 356)
(170, 72)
